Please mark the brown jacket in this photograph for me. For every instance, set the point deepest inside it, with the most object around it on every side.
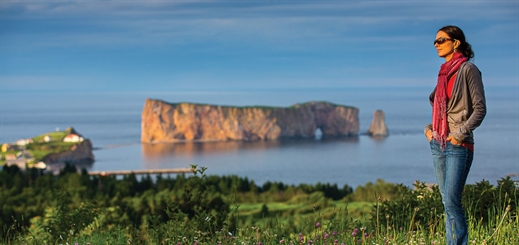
(467, 107)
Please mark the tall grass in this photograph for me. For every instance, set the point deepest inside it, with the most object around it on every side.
(415, 217)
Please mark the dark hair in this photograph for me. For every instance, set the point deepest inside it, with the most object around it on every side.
(455, 32)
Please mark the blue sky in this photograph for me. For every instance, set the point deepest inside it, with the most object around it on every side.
(227, 45)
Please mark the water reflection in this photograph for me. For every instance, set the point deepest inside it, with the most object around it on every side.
(161, 150)
(378, 139)
(56, 168)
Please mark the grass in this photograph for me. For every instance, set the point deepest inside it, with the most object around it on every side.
(313, 230)
(304, 219)
(55, 136)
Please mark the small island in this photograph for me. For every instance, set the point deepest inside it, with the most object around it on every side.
(53, 148)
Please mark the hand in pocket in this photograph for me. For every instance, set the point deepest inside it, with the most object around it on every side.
(453, 140)
(429, 135)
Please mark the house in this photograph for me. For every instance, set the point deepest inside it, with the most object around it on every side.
(12, 160)
(19, 159)
(9, 157)
(40, 165)
(73, 138)
(5, 146)
(47, 138)
(22, 142)
(10, 147)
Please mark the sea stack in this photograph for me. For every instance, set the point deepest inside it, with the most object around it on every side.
(378, 126)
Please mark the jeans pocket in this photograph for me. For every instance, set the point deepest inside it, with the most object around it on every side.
(456, 145)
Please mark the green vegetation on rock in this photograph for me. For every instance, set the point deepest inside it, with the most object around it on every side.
(39, 147)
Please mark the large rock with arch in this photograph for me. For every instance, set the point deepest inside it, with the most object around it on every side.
(172, 122)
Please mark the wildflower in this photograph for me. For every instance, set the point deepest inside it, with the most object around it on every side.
(230, 234)
(354, 233)
(317, 224)
(326, 235)
(207, 218)
(260, 243)
(282, 241)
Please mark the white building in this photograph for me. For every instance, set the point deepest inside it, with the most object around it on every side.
(73, 138)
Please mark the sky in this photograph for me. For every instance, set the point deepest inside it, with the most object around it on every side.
(89, 45)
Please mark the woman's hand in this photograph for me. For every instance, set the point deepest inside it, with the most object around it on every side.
(429, 135)
(453, 140)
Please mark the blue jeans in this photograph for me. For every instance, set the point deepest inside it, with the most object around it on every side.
(452, 166)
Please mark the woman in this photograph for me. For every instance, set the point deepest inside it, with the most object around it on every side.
(459, 107)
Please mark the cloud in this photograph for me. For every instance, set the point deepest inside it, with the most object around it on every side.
(179, 22)
(181, 43)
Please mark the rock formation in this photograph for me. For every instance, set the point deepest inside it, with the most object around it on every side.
(166, 122)
(80, 153)
(378, 125)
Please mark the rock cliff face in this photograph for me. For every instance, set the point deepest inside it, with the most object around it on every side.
(80, 153)
(165, 122)
(378, 126)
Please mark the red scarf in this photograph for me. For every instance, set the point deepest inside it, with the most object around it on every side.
(440, 123)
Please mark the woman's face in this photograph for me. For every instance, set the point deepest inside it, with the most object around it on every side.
(445, 45)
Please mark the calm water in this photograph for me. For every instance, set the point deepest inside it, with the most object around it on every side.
(112, 121)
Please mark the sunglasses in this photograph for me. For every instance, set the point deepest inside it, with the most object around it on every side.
(441, 40)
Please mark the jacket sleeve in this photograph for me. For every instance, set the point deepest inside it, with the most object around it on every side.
(478, 102)
(431, 101)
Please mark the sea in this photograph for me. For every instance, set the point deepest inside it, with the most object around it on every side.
(112, 121)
